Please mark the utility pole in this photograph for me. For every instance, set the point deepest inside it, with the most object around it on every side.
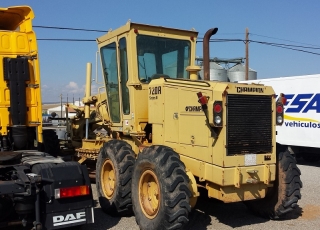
(247, 54)
(61, 105)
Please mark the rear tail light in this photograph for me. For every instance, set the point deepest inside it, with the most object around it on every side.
(71, 192)
(279, 113)
(217, 113)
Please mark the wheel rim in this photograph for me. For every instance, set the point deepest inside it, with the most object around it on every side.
(108, 178)
(149, 194)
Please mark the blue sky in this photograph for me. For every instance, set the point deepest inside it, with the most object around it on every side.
(63, 63)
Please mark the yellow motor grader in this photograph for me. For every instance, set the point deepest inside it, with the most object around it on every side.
(157, 132)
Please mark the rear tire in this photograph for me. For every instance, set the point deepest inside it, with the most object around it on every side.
(160, 193)
(113, 177)
(284, 196)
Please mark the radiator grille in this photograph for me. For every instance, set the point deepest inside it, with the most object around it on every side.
(249, 124)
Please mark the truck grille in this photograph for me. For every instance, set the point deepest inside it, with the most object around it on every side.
(249, 124)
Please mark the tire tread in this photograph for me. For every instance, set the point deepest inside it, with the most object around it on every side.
(121, 203)
(280, 202)
(174, 189)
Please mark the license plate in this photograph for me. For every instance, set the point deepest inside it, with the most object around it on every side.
(250, 159)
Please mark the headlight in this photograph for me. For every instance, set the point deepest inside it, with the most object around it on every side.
(217, 120)
(279, 119)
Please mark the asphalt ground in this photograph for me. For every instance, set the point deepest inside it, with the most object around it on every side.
(213, 214)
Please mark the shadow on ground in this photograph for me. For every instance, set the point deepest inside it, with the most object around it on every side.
(102, 221)
(232, 214)
(301, 161)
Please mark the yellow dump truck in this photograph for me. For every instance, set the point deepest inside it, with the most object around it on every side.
(35, 187)
(157, 133)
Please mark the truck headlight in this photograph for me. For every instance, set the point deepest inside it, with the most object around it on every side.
(217, 120)
(279, 119)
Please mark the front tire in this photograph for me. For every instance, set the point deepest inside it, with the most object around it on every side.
(160, 193)
(113, 177)
(284, 196)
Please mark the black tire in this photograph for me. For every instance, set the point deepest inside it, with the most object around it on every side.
(311, 158)
(166, 206)
(120, 154)
(284, 196)
(51, 142)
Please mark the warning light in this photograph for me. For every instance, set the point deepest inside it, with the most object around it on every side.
(202, 99)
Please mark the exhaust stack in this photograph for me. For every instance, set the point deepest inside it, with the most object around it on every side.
(206, 58)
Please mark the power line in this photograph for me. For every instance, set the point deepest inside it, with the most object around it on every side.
(221, 40)
(104, 31)
(279, 45)
(270, 43)
(283, 39)
(305, 47)
(69, 28)
(286, 47)
(66, 39)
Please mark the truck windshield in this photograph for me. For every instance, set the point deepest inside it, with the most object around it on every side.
(166, 56)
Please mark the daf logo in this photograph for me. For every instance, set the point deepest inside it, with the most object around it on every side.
(69, 219)
(193, 108)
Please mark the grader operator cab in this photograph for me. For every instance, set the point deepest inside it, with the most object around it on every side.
(157, 133)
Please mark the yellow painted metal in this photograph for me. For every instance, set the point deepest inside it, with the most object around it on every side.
(267, 174)
(227, 176)
(108, 178)
(90, 148)
(193, 188)
(193, 72)
(237, 177)
(137, 90)
(229, 194)
(92, 144)
(178, 121)
(88, 91)
(82, 159)
(18, 38)
(149, 194)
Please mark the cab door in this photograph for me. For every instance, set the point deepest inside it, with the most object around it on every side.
(109, 61)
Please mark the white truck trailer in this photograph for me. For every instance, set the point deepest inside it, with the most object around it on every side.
(300, 132)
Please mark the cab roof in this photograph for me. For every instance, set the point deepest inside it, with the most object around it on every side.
(145, 27)
(13, 17)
